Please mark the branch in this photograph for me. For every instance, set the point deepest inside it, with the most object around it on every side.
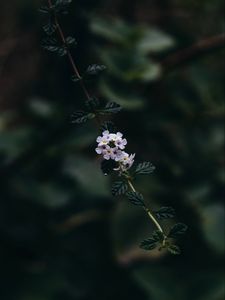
(69, 55)
(194, 51)
(156, 223)
(39, 147)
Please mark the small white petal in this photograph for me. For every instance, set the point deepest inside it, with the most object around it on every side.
(112, 136)
(119, 134)
(122, 147)
(107, 157)
(106, 132)
(98, 150)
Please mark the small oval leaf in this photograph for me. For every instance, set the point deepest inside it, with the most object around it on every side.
(177, 230)
(136, 198)
(144, 168)
(119, 188)
(148, 244)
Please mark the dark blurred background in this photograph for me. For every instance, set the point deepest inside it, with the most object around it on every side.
(62, 235)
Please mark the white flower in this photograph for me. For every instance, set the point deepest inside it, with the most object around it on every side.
(115, 136)
(101, 148)
(110, 145)
(106, 133)
(117, 140)
(131, 160)
(121, 143)
(108, 153)
(118, 154)
(127, 160)
(104, 139)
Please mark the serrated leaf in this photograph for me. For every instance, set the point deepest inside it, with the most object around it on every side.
(50, 41)
(44, 9)
(174, 249)
(144, 168)
(74, 78)
(148, 244)
(119, 188)
(61, 6)
(92, 104)
(70, 41)
(50, 27)
(62, 51)
(50, 44)
(51, 48)
(108, 125)
(95, 69)
(81, 117)
(158, 236)
(177, 230)
(136, 198)
(110, 108)
(107, 166)
(165, 213)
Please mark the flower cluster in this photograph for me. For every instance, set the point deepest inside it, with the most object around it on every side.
(111, 146)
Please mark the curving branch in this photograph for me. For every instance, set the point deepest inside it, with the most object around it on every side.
(194, 51)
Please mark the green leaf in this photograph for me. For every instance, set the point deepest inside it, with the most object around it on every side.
(74, 78)
(123, 96)
(62, 51)
(95, 69)
(151, 243)
(50, 44)
(154, 40)
(107, 166)
(165, 213)
(174, 249)
(148, 244)
(44, 9)
(115, 30)
(109, 125)
(81, 117)
(144, 168)
(92, 104)
(110, 108)
(119, 188)
(177, 230)
(49, 27)
(61, 6)
(70, 41)
(136, 198)
(158, 236)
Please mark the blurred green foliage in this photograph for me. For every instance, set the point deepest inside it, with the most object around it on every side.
(63, 236)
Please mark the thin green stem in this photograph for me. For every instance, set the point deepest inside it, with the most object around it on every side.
(131, 185)
(147, 209)
(154, 220)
